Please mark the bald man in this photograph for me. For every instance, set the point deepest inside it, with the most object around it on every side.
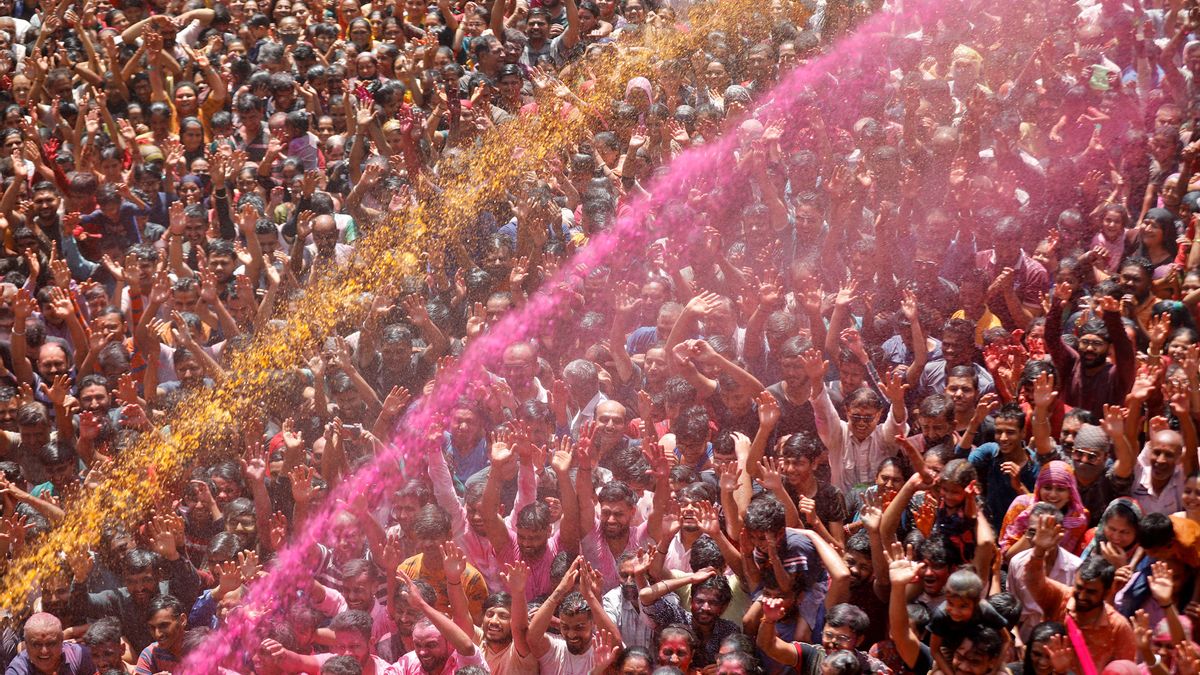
(45, 652)
(1160, 472)
(611, 422)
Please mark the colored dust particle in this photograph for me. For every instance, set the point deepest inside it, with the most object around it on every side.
(203, 423)
(645, 220)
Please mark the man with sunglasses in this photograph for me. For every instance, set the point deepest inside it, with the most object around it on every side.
(1099, 481)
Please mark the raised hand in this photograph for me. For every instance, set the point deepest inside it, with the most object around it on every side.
(870, 514)
(301, 478)
(729, 476)
(768, 409)
(562, 458)
(515, 576)
(1049, 534)
(454, 560)
(163, 540)
(770, 473)
(229, 578)
(254, 463)
(773, 609)
(902, 570)
(1043, 392)
(706, 517)
(1162, 584)
(894, 387)
(814, 365)
(605, 650)
(1061, 653)
(1145, 382)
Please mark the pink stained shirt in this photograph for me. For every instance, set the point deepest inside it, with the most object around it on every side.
(539, 582)
(409, 664)
(596, 551)
(379, 665)
(479, 550)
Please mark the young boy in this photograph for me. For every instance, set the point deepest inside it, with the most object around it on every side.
(964, 612)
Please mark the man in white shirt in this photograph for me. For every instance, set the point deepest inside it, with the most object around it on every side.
(857, 447)
(1060, 566)
(1160, 472)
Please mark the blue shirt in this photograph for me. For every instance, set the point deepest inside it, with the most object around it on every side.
(641, 340)
(998, 490)
(77, 660)
(464, 464)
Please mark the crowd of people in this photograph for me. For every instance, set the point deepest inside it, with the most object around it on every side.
(917, 390)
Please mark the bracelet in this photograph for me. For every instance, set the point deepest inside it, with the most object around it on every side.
(450, 584)
(660, 551)
(18, 332)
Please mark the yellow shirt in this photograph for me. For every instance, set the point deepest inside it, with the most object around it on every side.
(473, 584)
(988, 320)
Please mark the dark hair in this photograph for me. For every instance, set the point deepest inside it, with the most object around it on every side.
(849, 616)
(937, 406)
(341, 665)
(1008, 606)
(802, 445)
(574, 605)
(964, 372)
(716, 583)
(859, 542)
(765, 514)
(745, 659)
(535, 516)
(500, 599)
(616, 491)
(843, 662)
(1041, 633)
(352, 619)
(705, 553)
(139, 560)
(168, 602)
(1155, 530)
(431, 522)
(636, 653)
(1097, 568)
(1012, 412)
(104, 631)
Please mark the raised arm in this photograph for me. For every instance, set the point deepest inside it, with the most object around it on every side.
(908, 306)
(902, 572)
(569, 528)
(1047, 592)
(455, 564)
(459, 639)
(570, 36)
(768, 641)
(839, 573)
(539, 644)
(515, 577)
(493, 522)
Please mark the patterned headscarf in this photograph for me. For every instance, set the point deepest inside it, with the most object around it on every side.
(1075, 522)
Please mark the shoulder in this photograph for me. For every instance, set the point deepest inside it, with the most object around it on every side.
(984, 452)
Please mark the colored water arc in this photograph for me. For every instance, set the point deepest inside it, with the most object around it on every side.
(630, 234)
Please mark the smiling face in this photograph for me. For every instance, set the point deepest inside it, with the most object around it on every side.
(576, 630)
(1057, 495)
(497, 625)
(167, 628)
(45, 648)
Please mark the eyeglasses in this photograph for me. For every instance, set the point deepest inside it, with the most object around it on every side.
(861, 418)
(1099, 344)
(836, 638)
